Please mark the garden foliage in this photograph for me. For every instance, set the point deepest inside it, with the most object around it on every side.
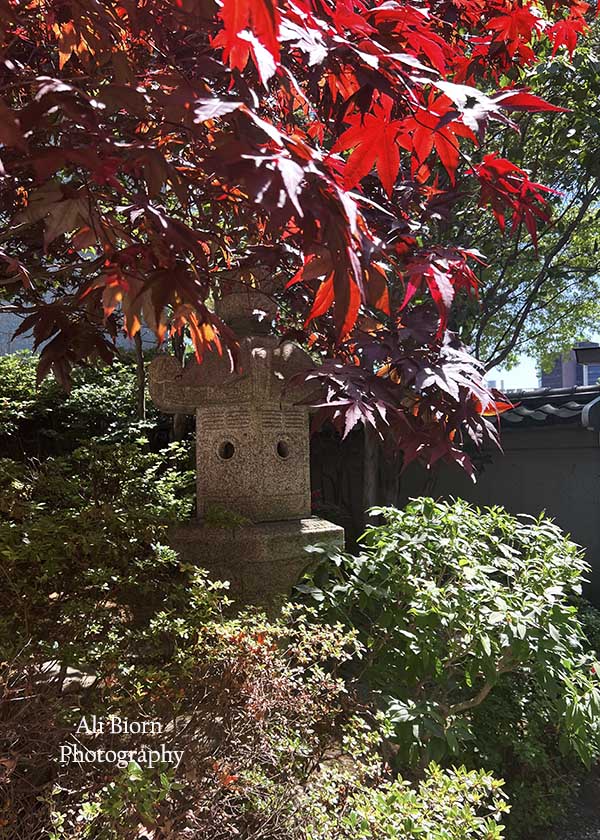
(83, 543)
(37, 420)
(515, 737)
(317, 725)
(473, 646)
(100, 617)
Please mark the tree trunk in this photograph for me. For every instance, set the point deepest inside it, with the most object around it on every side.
(141, 376)
(381, 476)
(179, 420)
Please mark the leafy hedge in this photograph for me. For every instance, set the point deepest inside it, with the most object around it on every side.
(37, 421)
(473, 645)
(99, 617)
(83, 539)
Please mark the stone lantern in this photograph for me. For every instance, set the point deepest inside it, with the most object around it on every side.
(252, 455)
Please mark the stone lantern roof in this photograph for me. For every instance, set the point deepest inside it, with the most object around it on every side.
(265, 367)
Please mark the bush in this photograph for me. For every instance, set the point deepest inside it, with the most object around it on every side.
(253, 711)
(274, 748)
(83, 547)
(446, 805)
(271, 751)
(590, 621)
(472, 644)
(515, 737)
(40, 421)
(99, 617)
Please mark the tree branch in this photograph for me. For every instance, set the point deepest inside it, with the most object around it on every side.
(512, 332)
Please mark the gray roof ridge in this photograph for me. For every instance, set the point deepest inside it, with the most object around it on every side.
(536, 393)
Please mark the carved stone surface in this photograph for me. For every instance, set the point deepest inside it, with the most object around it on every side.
(252, 441)
(261, 561)
(265, 368)
(253, 460)
(252, 445)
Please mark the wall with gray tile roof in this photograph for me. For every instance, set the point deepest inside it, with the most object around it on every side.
(548, 406)
(551, 462)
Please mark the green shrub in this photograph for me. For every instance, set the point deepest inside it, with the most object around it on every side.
(589, 616)
(472, 644)
(254, 710)
(274, 748)
(452, 804)
(99, 617)
(83, 547)
(38, 421)
(20, 400)
(515, 736)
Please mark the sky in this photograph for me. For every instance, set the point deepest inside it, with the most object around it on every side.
(524, 375)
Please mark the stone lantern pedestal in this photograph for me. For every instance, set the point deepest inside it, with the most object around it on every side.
(262, 561)
(252, 457)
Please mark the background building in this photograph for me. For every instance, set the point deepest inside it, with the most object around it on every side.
(8, 324)
(569, 373)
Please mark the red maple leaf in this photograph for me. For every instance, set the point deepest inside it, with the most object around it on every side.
(323, 299)
(374, 141)
(428, 130)
(412, 27)
(515, 27)
(521, 100)
(250, 27)
(443, 271)
(564, 33)
(506, 186)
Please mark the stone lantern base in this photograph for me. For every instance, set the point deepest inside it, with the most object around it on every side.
(262, 561)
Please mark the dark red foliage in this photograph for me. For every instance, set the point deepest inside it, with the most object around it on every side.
(152, 153)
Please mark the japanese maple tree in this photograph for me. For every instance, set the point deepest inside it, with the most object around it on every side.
(155, 153)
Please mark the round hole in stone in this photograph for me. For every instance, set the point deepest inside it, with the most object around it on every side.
(226, 450)
(283, 450)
